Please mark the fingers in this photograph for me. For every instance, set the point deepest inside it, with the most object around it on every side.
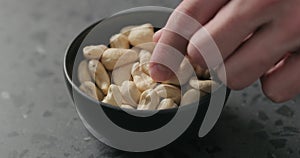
(283, 82)
(182, 24)
(260, 52)
(157, 35)
(257, 55)
(229, 28)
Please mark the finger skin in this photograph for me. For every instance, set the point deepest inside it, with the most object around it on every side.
(229, 28)
(157, 35)
(260, 53)
(201, 11)
(283, 83)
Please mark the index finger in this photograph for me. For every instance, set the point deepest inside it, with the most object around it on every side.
(186, 19)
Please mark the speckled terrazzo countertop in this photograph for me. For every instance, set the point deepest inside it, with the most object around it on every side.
(38, 119)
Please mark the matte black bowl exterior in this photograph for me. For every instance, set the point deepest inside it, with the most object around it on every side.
(87, 108)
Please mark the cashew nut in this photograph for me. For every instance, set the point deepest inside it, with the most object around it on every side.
(141, 34)
(169, 91)
(100, 75)
(132, 86)
(145, 57)
(141, 79)
(116, 57)
(83, 72)
(126, 106)
(136, 69)
(149, 100)
(126, 30)
(184, 73)
(136, 49)
(130, 93)
(119, 41)
(166, 104)
(91, 90)
(114, 96)
(191, 96)
(121, 74)
(147, 46)
(203, 85)
(93, 52)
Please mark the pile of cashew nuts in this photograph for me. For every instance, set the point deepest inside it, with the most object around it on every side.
(119, 74)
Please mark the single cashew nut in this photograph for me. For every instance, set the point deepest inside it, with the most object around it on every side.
(121, 74)
(147, 46)
(141, 79)
(149, 100)
(136, 69)
(116, 57)
(94, 52)
(127, 106)
(141, 34)
(114, 96)
(145, 57)
(169, 91)
(130, 93)
(203, 85)
(119, 41)
(143, 82)
(83, 72)
(190, 96)
(184, 73)
(166, 104)
(136, 49)
(100, 75)
(91, 90)
(126, 30)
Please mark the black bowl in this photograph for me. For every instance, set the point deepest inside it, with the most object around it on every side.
(89, 109)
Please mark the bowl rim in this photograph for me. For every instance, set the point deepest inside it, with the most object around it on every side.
(87, 30)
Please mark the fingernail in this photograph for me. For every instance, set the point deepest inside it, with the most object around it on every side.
(159, 72)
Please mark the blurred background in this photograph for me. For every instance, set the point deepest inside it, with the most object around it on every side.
(38, 119)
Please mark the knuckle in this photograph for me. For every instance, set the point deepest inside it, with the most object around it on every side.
(264, 5)
(190, 8)
(255, 10)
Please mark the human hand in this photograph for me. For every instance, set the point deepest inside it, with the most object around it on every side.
(256, 38)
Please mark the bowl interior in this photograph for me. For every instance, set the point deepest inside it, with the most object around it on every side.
(88, 108)
(100, 33)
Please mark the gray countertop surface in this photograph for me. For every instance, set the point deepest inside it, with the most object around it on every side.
(38, 119)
